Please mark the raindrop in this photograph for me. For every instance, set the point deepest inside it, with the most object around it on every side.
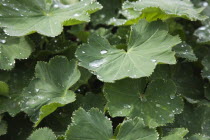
(97, 63)
(103, 52)
(76, 15)
(3, 41)
(55, 6)
(153, 60)
(37, 90)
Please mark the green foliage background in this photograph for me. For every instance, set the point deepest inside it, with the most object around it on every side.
(104, 70)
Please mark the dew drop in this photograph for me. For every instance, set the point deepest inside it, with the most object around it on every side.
(97, 63)
(76, 15)
(103, 52)
(153, 60)
(37, 90)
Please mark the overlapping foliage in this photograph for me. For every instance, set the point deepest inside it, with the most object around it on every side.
(104, 70)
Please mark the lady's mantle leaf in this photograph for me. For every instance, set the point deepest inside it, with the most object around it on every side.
(157, 9)
(199, 137)
(184, 50)
(156, 103)
(94, 125)
(176, 134)
(49, 90)
(135, 130)
(12, 48)
(42, 134)
(22, 17)
(149, 44)
(206, 70)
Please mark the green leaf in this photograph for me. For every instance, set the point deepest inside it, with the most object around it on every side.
(49, 90)
(89, 125)
(19, 79)
(109, 10)
(156, 103)
(12, 48)
(136, 130)
(195, 119)
(206, 70)
(46, 17)
(183, 75)
(140, 58)
(94, 125)
(184, 50)
(4, 89)
(153, 10)
(203, 34)
(42, 134)
(199, 137)
(176, 134)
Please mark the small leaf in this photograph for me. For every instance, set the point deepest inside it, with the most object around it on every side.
(184, 50)
(49, 90)
(46, 17)
(42, 134)
(135, 130)
(12, 48)
(140, 58)
(153, 10)
(176, 134)
(156, 103)
(89, 125)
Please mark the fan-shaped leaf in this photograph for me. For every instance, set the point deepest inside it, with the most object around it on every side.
(149, 44)
(49, 90)
(157, 9)
(47, 17)
(94, 125)
(12, 48)
(156, 104)
(42, 134)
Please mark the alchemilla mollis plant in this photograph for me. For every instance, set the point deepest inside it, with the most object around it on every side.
(104, 69)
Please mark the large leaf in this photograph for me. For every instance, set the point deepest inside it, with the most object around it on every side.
(156, 103)
(148, 45)
(12, 48)
(47, 17)
(42, 134)
(157, 9)
(49, 90)
(94, 125)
